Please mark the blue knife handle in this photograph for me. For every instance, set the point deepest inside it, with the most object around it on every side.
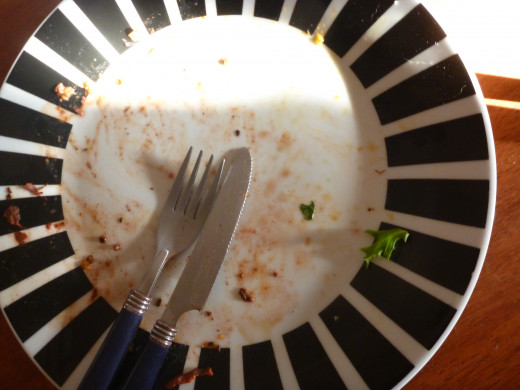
(145, 372)
(107, 361)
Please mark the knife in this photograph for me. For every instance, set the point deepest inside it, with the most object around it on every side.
(196, 281)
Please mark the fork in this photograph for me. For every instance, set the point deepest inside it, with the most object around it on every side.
(181, 221)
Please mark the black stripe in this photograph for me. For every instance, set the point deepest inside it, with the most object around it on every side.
(31, 312)
(108, 19)
(421, 315)
(35, 211)
(191, 8)
(310, 362)
(440, 84)
(461, 139)
(379, 363)
(218, 360)
(352, 22)
(61, 36)
(22, 261)
(33, 76)
(229, 7)
(413, 34)
(65, 351)
(23, 123)
(260, 368)
(458, 201)
(444, 262)
(153, 14)
(307, 14)
(19, 169)
(269, 9)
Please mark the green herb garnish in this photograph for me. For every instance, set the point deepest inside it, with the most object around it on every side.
(384, 243)
(307, 211)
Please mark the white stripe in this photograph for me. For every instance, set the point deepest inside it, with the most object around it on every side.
(395, 13)
(54, 61)
(330, 15)
(8, 144)
(37, 280)
(470, 170)
(89, 30)
(462, 234)
(248, 9)
(45, 334)
(339, 360)
(287, 10)
(443, 294)
(400, 339)
(174, 14)
(285, 368)
(17, 191)
(131, 15)
(26, 99)
(236, 369)
(443, 113)
(211, 7)
(7, 241)
(422, 61)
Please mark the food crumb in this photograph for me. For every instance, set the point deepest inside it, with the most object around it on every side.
(32, 189)
(116, 247)
(103, 238)
(275, 274)
(133, 35)
(318, 39)
(119, 81)
(12, 215)
(223, 61)
(87, 263)
(237, 132)
(63, 92)
(20, 237)
(245, 295)
(189, 377)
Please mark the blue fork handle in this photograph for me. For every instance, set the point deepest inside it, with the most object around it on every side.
(145, 372)
(107, 361)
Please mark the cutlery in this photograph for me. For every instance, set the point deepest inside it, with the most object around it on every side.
(205, 261)
(180, 223)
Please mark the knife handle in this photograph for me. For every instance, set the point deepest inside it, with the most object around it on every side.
(151, 360)
(107, 360)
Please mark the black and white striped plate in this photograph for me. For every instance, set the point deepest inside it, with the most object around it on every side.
(361, 106)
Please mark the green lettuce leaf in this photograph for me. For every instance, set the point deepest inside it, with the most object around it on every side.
(384, 243)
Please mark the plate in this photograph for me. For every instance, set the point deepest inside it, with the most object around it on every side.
(361, 107)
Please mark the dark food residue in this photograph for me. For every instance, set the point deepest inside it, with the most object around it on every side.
(189, 377)
(245, 295)
(32, 189)
(12, 215)
(20, 237)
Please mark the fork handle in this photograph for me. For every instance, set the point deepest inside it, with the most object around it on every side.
(145, 372)
(107, 361)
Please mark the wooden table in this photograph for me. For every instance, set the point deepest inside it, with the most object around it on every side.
(482, 352)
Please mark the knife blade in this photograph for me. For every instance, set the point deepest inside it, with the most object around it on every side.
(198, 277)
